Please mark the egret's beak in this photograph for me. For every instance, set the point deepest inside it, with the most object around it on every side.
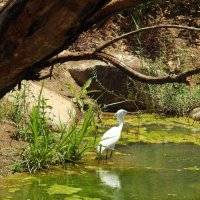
(115, 115)
(128, 113)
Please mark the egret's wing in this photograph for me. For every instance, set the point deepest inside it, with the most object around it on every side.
(110, 137)
(110, 133)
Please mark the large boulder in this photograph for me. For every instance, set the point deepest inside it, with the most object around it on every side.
(117, 89)
(58, 109)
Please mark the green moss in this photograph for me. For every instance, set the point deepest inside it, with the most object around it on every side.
(62, 189)
(153, 128)
(76, 197)
(7, 198)
(195, 168)
(12, 190)
(30, 178)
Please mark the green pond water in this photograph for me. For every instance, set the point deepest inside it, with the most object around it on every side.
(136, 171)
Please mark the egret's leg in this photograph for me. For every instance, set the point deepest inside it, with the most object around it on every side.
(112, 148)
(111, 153)
(106, 154)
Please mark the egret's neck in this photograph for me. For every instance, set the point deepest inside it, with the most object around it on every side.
(121, 121)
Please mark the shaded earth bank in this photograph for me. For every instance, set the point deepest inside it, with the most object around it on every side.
(10, 148)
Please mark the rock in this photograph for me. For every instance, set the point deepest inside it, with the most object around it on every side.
(195, 114)
(115, 86)
(60, 108)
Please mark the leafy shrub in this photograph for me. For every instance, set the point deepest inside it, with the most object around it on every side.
(176, 99)
(80, 98)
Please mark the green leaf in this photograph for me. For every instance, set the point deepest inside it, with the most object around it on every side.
(85, 86)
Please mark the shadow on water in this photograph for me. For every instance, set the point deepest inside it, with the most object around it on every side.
(137, 171)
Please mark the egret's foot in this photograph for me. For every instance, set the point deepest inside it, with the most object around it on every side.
(102, 157)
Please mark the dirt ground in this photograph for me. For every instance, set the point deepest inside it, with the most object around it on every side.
(10, 148)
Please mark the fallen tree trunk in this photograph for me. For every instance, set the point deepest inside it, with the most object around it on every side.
(34, 30)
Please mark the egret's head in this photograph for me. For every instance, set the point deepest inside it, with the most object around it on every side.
(120, 114)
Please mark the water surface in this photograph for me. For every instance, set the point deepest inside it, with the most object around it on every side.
(136, 171)
(140, 171)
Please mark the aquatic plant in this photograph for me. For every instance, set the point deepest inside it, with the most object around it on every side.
(62, 189)
(154, 128)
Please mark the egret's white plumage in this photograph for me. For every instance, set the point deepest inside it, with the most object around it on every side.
(112, 136)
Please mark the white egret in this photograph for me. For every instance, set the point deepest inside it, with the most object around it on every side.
(112, 136)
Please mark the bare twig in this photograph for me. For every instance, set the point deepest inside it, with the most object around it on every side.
(144, 29)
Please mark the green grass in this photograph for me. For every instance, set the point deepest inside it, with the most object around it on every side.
(46, 147)
(74, 142)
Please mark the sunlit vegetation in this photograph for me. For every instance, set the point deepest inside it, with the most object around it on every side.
(171, 99)
(70, 143)
(45, 146)
(177, 99)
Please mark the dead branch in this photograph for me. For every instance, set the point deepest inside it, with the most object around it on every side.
(99, 55)
(179, 78)
(142, 30)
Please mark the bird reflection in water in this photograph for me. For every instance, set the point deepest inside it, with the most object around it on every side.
(110, 179)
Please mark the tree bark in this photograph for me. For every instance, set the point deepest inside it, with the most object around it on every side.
(33, 30)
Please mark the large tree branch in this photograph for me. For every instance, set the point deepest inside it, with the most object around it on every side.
(32, 31)
(98, 55)
(179, 78)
